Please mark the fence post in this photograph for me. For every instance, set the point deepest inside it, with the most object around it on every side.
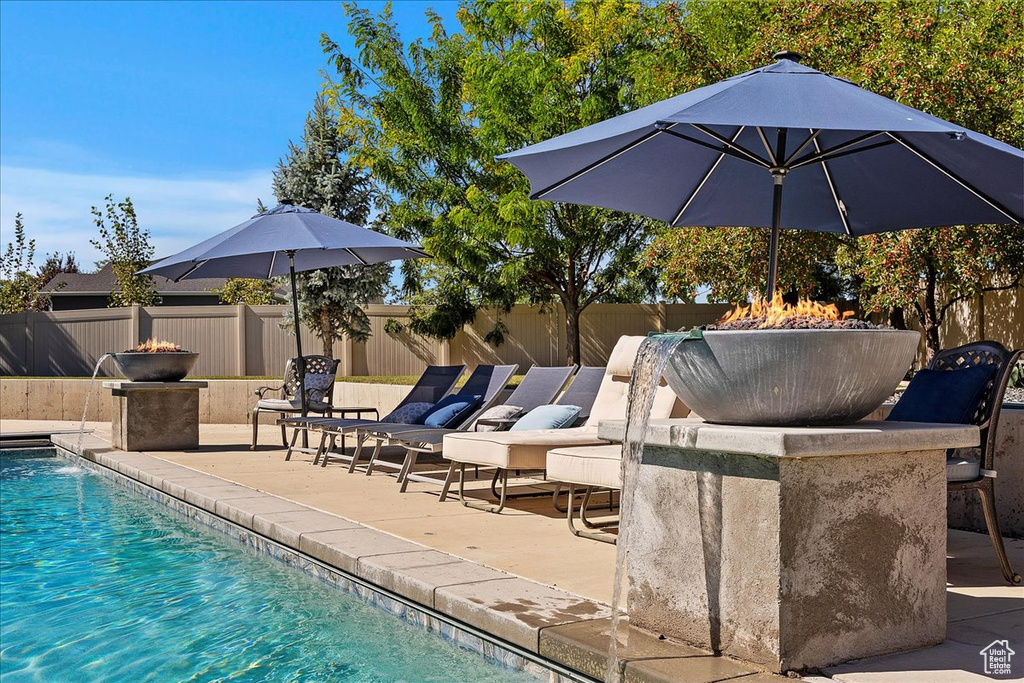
(662, 317)
(240, 360)
(136, 327)
(30, 344)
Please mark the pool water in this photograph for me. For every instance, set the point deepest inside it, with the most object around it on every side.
(100, 584)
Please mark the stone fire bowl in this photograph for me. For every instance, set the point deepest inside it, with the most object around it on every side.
(790, 377)
(170, 366)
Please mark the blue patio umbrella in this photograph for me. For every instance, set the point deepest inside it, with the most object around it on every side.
(850, 161)
(282, 241)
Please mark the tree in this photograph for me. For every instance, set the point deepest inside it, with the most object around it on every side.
(249, 291)
(20, 289)
(427, 120)
(317, 175)
(961, 61)
(127, 247)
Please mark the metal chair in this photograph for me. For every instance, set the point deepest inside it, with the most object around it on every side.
(986, 417)
(289, 401)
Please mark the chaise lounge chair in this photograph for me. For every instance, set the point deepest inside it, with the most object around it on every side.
(433, 385)
(527, 450)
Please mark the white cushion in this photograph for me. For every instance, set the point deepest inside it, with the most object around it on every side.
(962, 469)
(588, 466)
(291, 406)
(515, 450)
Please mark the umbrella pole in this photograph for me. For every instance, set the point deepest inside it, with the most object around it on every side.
(300, 362)
(773, 243)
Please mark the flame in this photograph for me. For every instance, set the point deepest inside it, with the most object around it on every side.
(775, 311)
(154, 346)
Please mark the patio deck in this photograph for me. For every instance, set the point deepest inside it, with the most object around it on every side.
(530, 540)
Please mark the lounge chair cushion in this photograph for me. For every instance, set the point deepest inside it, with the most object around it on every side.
(291, 405)
(409, 414)
(588, 466)
(547, 417)
(943, 396)
(502, 412)
(962, 469)
(515, 450)
(613, 394)
(450, 411)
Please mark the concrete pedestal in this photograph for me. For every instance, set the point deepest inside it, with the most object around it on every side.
(154, 416)
(795, 548)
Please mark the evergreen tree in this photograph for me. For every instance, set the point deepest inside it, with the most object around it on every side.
(317, 175)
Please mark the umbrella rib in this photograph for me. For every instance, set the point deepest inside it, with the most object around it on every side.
(357, 257)
(767, 147)
(600, 162)
(958, 180)
(191, 270)
(835, 194)
(838, 150)
(273, 260)
(730, 144)
(813, 137)
(721, 150)
(700, 186)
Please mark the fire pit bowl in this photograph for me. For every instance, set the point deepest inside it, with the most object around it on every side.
(790, 377)
(164, 366)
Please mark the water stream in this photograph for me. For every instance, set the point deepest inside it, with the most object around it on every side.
(88, 395)
(650, 363)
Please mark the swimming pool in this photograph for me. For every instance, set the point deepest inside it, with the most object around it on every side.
(99, 584)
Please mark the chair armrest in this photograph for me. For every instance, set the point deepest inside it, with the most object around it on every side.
(263, 390)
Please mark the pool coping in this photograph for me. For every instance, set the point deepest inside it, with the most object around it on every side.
(518, 623)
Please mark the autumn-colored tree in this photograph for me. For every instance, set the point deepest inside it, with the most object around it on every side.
(962, 61)
(428, 120)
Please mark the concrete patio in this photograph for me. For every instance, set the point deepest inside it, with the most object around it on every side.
(531, 540)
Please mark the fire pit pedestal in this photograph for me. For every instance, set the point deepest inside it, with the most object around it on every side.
(792, 547)
(154, 416)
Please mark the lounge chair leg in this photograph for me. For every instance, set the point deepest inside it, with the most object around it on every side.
(322, 449)
(255, 427)
(291, 444)
(373, 456)
(601, 536)
(410, 462)
(987, 493)
(284, 434)
(448, 482)
(360, 440)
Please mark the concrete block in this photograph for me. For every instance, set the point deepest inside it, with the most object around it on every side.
(515, 609)
(146, 419)
(241, 511)
(791, 562)
(206, 497)
(287, 528)
(417, 575)
(344, 548)
(14, 399)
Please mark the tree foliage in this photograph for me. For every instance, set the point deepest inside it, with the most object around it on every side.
(317, 175)
(962, 61)
(126, 246)
(20, 288)
(427, 120)
(249, 291)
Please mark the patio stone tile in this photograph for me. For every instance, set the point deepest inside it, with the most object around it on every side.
(706, 668)
(288, 527)
(950, 662)
(176, 486)
(206, 497)
(981, 631)
(241, 511)
(515, 609)
(343, 548)
(417, 575)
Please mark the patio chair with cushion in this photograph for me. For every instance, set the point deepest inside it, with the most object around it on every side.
(527, 450)
(460, 410)
(432, 386)
(595, 468)
(319, 380)
(538, 388)
(966, 385)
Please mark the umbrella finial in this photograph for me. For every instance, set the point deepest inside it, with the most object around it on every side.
(788, 54)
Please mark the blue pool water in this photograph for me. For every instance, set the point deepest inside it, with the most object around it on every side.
(99, 584)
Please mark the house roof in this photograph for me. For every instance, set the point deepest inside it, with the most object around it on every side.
(104, 282)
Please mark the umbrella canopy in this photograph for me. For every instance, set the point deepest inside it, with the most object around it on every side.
(282, 241)
(259, 247)
(851, 161)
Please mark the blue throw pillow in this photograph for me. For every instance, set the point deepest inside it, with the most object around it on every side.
(547, 417)
(409, 414)
(943, 396)
(450, 411)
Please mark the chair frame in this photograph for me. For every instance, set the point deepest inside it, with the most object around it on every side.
(986, 417)
(313, 364)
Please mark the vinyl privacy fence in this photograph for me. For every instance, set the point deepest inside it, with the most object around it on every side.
(248, 340)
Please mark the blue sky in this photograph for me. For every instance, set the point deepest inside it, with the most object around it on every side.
(184, 106)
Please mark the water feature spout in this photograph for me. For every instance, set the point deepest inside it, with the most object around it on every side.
(88, 395)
